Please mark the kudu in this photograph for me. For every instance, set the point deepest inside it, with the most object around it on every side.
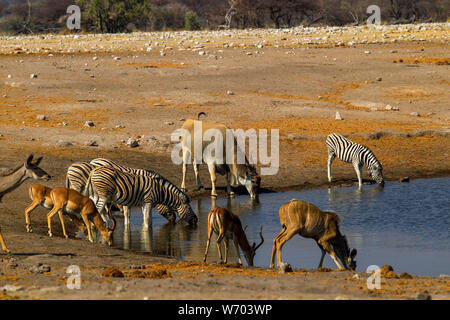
(67, 200)
(11, 181)
(228, 226)
(305, 219)
(40, 195)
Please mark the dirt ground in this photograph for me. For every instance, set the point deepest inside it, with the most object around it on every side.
(245, 80)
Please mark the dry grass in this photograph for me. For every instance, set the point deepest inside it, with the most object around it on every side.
(324, 126)
(427, 60)
(154, 65)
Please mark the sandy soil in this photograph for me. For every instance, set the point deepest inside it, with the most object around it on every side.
(284, 82)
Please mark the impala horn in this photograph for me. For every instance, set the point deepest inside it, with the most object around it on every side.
(262, 240)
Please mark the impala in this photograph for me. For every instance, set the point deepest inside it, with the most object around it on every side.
(228, 226)
(40, 195)
(310, 222)
(69, 201)
(11, 181)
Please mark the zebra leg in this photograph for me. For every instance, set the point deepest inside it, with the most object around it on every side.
(197, 176)
(147, 215)
(331, 157)
(100, 204)
(126, 215)
(358, 169)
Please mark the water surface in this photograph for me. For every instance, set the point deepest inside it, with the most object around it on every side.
(405, 225)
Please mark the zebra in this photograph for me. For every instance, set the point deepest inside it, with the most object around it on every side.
(106, 184)
(163, 210)
(354, 153)
(77, 175)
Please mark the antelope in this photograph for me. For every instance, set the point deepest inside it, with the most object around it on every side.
(310, 222)
(40, 195)
(235, 173)
(69, 201)
(228, 226)
(11, 181)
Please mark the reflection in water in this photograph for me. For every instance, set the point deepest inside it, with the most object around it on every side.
(404, 225)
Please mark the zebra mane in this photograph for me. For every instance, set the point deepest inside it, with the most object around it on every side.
(167, 184)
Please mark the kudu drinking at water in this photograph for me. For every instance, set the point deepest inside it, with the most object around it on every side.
(9, 182)
(305, 219)
(228, 226)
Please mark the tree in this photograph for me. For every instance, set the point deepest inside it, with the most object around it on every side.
(191, 21)
(115, 15)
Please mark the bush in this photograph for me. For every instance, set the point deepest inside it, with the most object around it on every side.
(191, 21)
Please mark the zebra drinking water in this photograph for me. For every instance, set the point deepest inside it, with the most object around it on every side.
(78, 174)
(354, 153)
(106, 184)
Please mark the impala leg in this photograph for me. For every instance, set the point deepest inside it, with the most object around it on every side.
(226, 249)
(28, 210)
(219, 240)
(86, 222)
(80, 224)
(49, 219)
(274, 247)
(2, 241)
(60, 213)
(210, 232)
(331, 157)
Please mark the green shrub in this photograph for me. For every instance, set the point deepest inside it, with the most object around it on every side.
(191, 21)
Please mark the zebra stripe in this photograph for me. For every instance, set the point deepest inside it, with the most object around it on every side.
(102, 162)
(163, 210)
(355, 153)
(107, 184)
(77, 175)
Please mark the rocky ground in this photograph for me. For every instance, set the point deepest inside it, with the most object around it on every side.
(77, 97)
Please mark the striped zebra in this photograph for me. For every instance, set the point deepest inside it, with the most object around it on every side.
(77, 175)
(106, 184)
(163, 210)
(354, 153)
